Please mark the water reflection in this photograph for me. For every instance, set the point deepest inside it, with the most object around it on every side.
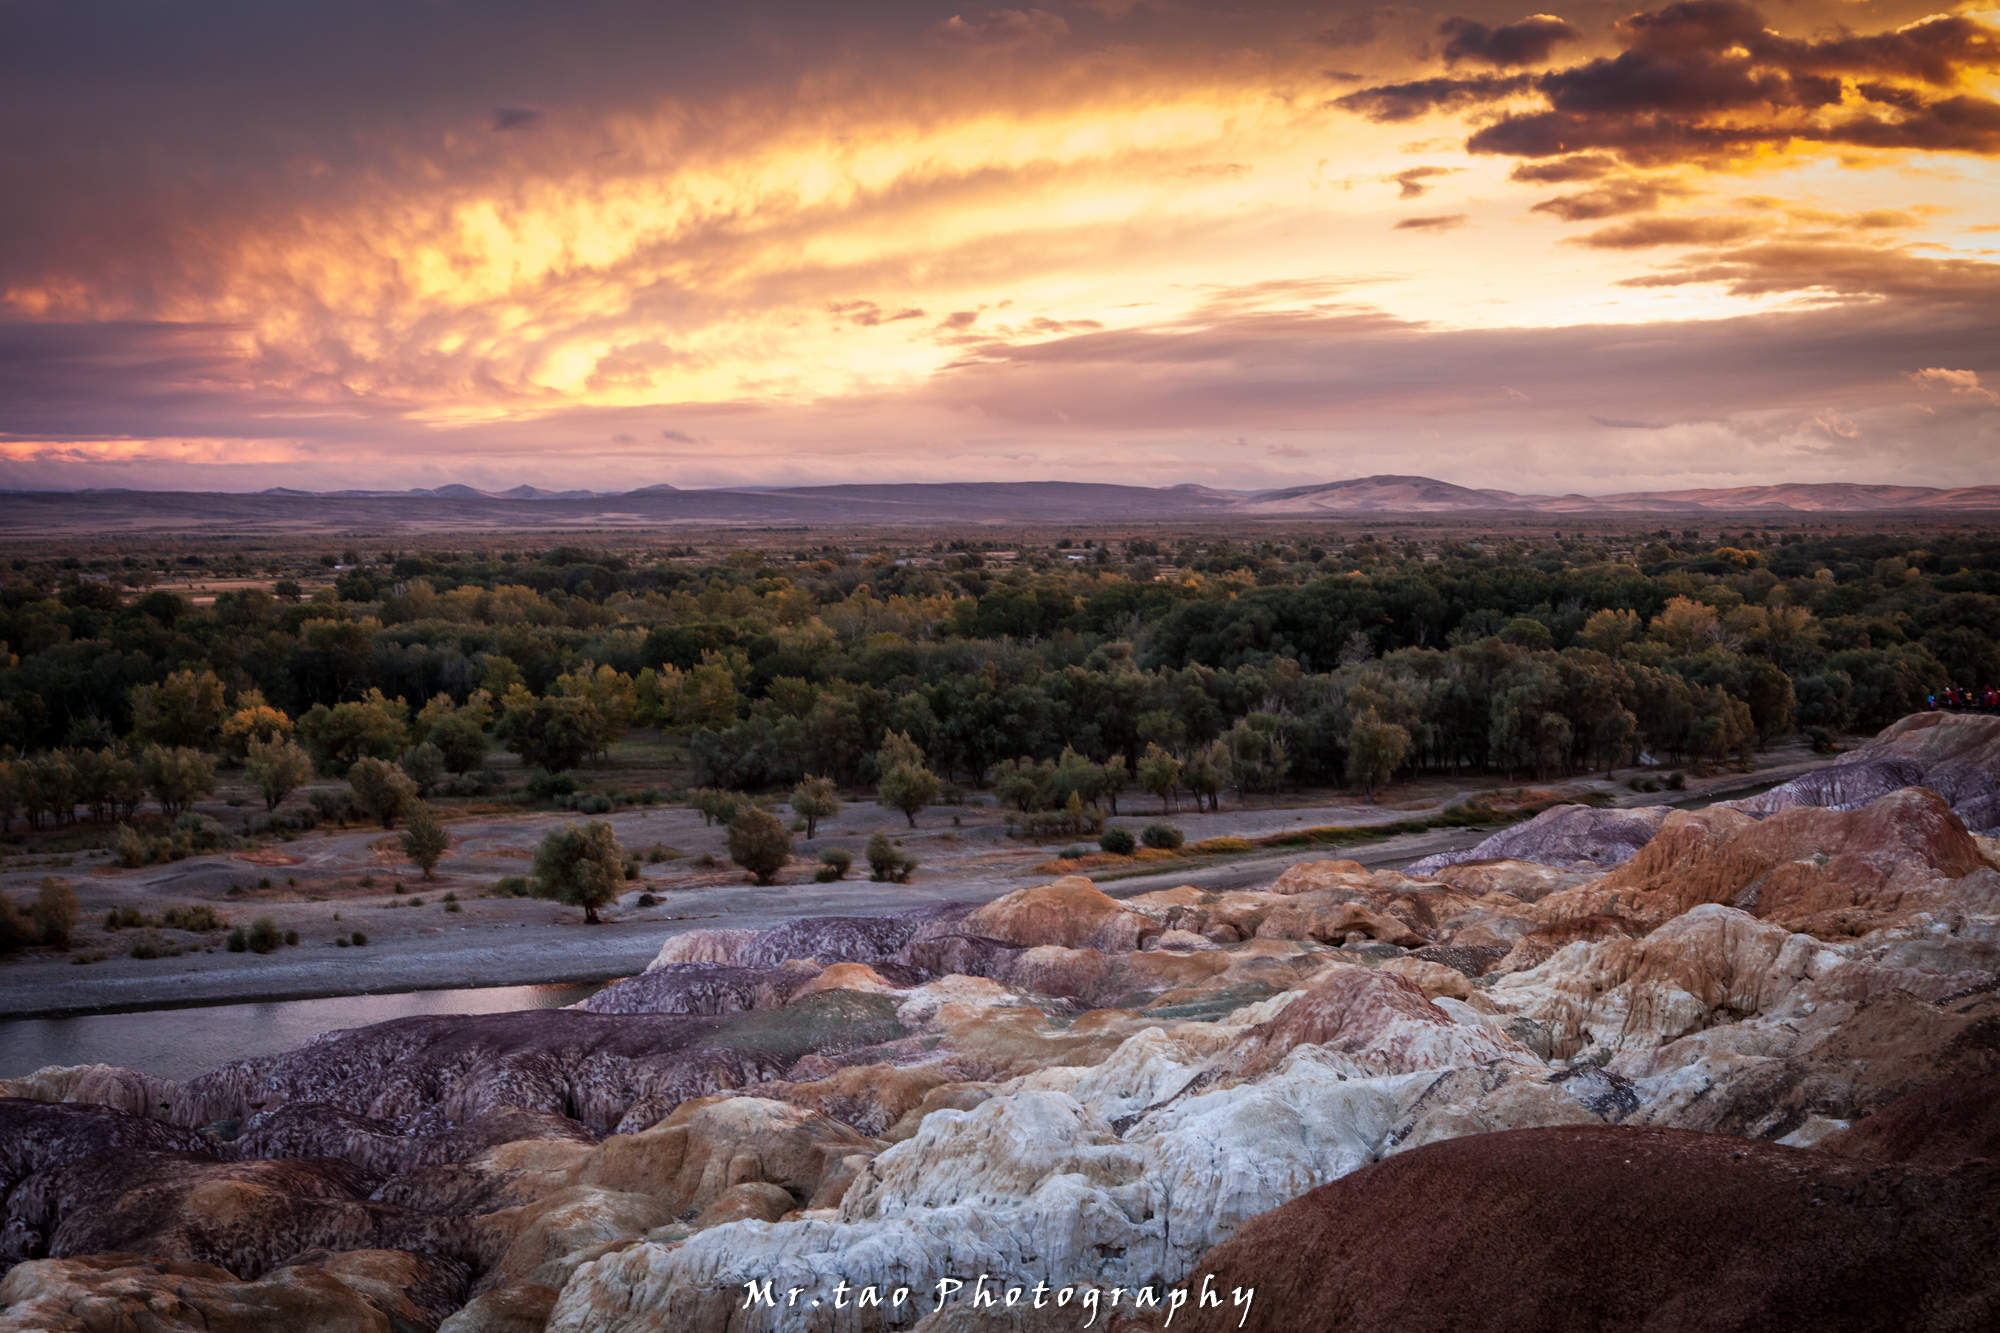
(180, 1043)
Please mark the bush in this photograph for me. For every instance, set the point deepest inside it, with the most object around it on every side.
(17, 929)
(54, 913)
(291, 937)
(1162, 837)
(1118, 841)
(716, 806)
(358, 939)
(548, 786)
(237, 943)
(1072, 853)
(837, 859)
(826, 874)
(329, 807)
(759, 843)
(1677, 781)
(886, 864)
(424, 839)
(131, 850)
(706, 861)
(381, 790)
(264, 935)
(200, 919)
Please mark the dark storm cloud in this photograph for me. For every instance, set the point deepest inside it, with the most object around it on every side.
(1709, 78)
(1529, 42)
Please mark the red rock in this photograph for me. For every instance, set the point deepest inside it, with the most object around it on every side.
(1608, 1228)
(1947, 1122)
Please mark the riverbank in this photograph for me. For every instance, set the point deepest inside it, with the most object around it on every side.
(326, 887)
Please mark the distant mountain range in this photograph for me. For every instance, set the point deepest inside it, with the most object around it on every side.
(461, 508)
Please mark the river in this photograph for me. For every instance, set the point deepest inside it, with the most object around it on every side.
(180, 1043)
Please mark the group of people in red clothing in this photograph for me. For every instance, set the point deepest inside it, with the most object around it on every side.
(1953, 697)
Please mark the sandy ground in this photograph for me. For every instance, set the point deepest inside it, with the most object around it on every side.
(315, 888)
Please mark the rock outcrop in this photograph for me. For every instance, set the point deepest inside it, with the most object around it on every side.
(1713, 1062)
(1624, 1229)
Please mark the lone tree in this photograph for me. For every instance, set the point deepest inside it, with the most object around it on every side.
(424, 839)
(381, 790)
(1160, 773)
(279, 768)
(581, 865)
(1375, 750)
(758, 842)
(813, 800)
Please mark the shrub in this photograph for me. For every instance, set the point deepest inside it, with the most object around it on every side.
(886, 864)
(1677, 781)
(291, 937)
(826, 874)
(759, 843)
(329, 807)
(199, 919)
(1162, 837)
(839, 860)
(342, 942)
(548, 786)
(717, 806)
(358, 939)
(1073, 853)
(130, 849)
(424, 839)
(54, 912)
(381, 790)
(237, 942)
(1118, 841)
(17, 929)
(143, 948)
(706, 860)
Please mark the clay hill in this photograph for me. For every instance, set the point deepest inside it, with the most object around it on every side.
(459, 507)
(1718, 1069)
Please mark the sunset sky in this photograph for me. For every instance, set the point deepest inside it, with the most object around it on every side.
(607, 243)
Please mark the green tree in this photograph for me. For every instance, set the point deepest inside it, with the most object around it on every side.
(459, 739)
(759, 843)
(177, 776)
(278, 768)
(425, 765)
(581, 865)
(253, 720)
(1207, 771)
(1375, 750)
(185, 709)
(898, 749)
(424, 838)
(716, 806)
(554, 733)
(815, 799)
(1021, 784)
(381, 789)
(908, 789)
(1159, 774)
(371, 727)
(1609, 630)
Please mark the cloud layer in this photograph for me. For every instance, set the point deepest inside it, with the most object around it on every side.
(789, 243)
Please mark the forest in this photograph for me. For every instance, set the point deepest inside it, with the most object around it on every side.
(1040, 670)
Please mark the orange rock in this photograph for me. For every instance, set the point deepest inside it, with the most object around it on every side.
(1825, 872)
(1071, 913)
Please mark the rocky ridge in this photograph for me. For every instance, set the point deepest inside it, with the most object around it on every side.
(1790, 1002)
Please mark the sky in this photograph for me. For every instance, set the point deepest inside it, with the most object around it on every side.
(610, 243)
